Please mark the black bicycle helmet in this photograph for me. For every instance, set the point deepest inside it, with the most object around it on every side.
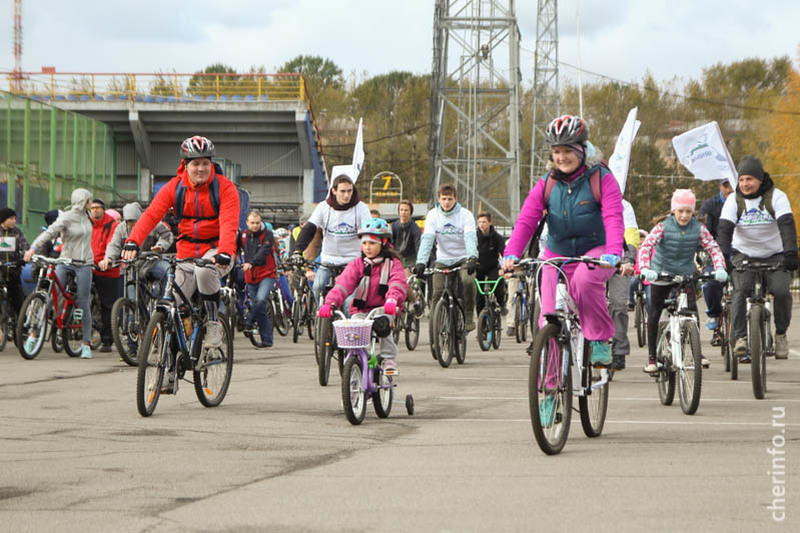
(567, 129)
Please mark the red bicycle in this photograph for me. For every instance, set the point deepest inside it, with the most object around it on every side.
(53, 305)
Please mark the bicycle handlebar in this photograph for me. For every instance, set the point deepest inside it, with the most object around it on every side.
(43, 259)
(759, 266)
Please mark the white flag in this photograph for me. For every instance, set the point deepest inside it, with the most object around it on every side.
(703, 152)
(621, 158)
(358, 151)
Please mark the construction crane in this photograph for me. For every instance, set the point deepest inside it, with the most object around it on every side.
(16, 78)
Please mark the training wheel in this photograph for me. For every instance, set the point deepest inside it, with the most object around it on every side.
(409, 404)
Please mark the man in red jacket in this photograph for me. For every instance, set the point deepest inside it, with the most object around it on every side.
(107, 282)
(207, 209)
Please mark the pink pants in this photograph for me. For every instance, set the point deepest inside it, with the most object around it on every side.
(587, 286)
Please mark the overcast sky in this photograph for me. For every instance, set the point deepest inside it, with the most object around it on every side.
(619, 38)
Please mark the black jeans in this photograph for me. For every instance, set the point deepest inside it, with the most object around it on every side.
(659, 293)
(109, 289)
(14, 287)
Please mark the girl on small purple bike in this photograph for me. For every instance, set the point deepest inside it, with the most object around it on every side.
(378, 279)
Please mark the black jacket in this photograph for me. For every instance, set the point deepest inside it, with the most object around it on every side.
(490, 249)
(712, 209)
(405, 238)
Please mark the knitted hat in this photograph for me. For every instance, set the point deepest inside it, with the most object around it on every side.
(682, 198)
(751, 166)
(6, 213)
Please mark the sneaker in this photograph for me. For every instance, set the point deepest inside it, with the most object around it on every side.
(390, 367)
(86, 352)
(30, 344)
(651, 367)
(781, 346)
(264, 345)
(504, 311)
(469, 326)
(105, 349)
(704, 362)
(601, 353)
(618, 363)
(740, 347)
(711, 323)
(744, 359)
(167, 383)
(716, 339)
(630, 307)
(510, 331)
(547, 411)
(213, 338)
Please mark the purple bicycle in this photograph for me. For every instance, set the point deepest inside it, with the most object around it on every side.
(363, 376)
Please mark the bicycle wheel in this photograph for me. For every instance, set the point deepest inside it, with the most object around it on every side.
(97, 320)
(399, 323)
(640, 320)
(665, 379)
(326, 347)
(724, 334)
(212, 373)
(382, 398)
(594, 405)
(124, 329)
(353, 396)
(460, 337)
(56, 340)
(412, 331)
(152, 363)
(443, 337)
(498, 331)
(758, 360)
(3, 330)
(32, 322)
(311, 305)
(520, 327)
(297, 316)
(72, 333)
(690, 374)
(537, 310)
(485, 329)
(549, 391)
(279, 316)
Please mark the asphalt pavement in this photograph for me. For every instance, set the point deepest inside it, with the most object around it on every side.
(279, 455)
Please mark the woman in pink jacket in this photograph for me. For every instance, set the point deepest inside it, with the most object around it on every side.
(584, 217)
(378, 280)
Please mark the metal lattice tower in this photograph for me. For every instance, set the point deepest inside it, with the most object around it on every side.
(475, 105)
(545, 84)
(16, 79)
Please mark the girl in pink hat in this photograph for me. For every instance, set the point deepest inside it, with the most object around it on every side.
(669, 249)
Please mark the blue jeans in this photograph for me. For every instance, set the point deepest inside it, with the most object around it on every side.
(320, 280)
(259, 296)
(283, 283)
(712, 293)
(83, 278)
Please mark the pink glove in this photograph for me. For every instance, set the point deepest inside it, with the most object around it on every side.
(390, 307)
(325, 311)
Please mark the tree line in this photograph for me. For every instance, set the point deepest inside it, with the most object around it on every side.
(755, 101)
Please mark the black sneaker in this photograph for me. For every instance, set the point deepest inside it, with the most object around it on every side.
(618, 363)
(716, 340)
(105, 349)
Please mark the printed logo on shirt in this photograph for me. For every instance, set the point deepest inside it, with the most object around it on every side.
(754, 217)
(343, 229)
(8, 244)
(450, 229)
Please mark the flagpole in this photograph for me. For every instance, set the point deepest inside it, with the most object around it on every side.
(580, 67)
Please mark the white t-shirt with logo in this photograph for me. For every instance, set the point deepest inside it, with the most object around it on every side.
(756, 233)
(340, 242)
(449, 231)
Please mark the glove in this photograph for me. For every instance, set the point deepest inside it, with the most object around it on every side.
(131, 246)
(649, 275)
(297, 258)
(611, 259)
(390, 307)
(222, 259)
(472, 265)
(325, 311)
(790, 261)
(721, 275)
(419, 269)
